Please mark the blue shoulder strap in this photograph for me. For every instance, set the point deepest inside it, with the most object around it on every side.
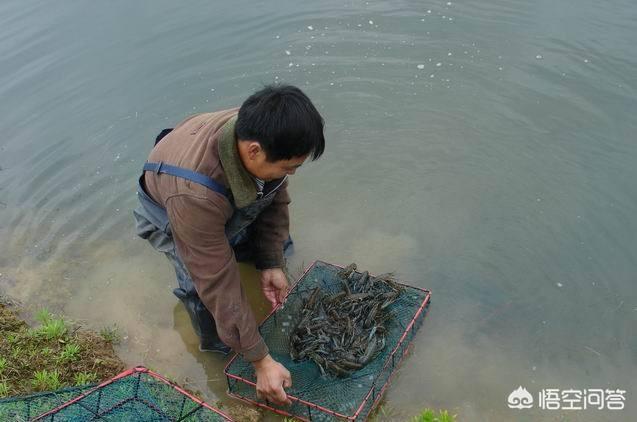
(193, 176)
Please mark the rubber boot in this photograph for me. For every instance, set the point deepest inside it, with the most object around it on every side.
(203, 323)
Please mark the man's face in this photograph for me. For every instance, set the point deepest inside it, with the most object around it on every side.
(254, 160)
(277, 169)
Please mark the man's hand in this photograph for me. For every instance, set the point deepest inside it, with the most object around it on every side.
(272, 378)
(274, 285)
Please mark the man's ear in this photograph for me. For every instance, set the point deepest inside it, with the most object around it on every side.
(254, 148)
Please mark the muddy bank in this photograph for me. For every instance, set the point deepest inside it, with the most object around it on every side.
(56, 353)
(52, 354)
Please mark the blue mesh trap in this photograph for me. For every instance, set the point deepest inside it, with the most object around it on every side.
(316, 397)
(134, 395)
(25, 408)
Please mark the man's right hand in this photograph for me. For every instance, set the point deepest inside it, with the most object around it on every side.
(272, 378)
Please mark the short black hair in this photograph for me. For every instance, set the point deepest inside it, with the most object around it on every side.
(284, 121)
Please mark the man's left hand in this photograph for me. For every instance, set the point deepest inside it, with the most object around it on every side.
(274, 284)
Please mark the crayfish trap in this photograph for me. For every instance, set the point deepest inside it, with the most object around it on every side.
(320, 392)
(137, 394)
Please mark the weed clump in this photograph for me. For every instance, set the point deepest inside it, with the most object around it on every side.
(429, 415)
(52, 355)
(84, 378)
(111, 334)
(46, 381)
(51, 328)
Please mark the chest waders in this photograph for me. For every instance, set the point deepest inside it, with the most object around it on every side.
(153, 225)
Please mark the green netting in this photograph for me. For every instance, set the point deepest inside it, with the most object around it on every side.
(136, 395)
(24, 408)
(330, 398)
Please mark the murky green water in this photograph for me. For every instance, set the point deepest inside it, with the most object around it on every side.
(485, 150)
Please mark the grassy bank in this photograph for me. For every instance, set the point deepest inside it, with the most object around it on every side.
(53, 354)
(429, 415)
(388, 413)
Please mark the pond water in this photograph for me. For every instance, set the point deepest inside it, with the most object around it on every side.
(484, 150)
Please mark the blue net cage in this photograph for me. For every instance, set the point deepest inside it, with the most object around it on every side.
(135, 395)
(25, 408)
(316, 397)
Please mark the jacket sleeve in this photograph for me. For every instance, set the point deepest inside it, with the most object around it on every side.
(198, 228)
(271, 230)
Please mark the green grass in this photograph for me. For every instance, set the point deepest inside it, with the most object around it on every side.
(51, 328)
(46, 380)
(83, 378)
(428, 415)
(55, 353)
(70, 353)
(4, 389)
(43, 316)
(111, 334)
(56, 328)
(17, 352)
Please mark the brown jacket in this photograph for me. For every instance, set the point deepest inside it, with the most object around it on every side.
(206, 144)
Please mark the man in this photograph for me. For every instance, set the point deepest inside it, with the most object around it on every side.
(214, 191)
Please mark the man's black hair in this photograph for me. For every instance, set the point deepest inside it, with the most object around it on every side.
(284, 121)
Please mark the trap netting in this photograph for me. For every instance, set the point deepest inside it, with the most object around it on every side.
(135, 395)
(24, 408)
(316, 397)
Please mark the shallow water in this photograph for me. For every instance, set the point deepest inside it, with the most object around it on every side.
(484, 150)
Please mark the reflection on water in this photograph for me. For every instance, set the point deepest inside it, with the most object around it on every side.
(484, 150)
